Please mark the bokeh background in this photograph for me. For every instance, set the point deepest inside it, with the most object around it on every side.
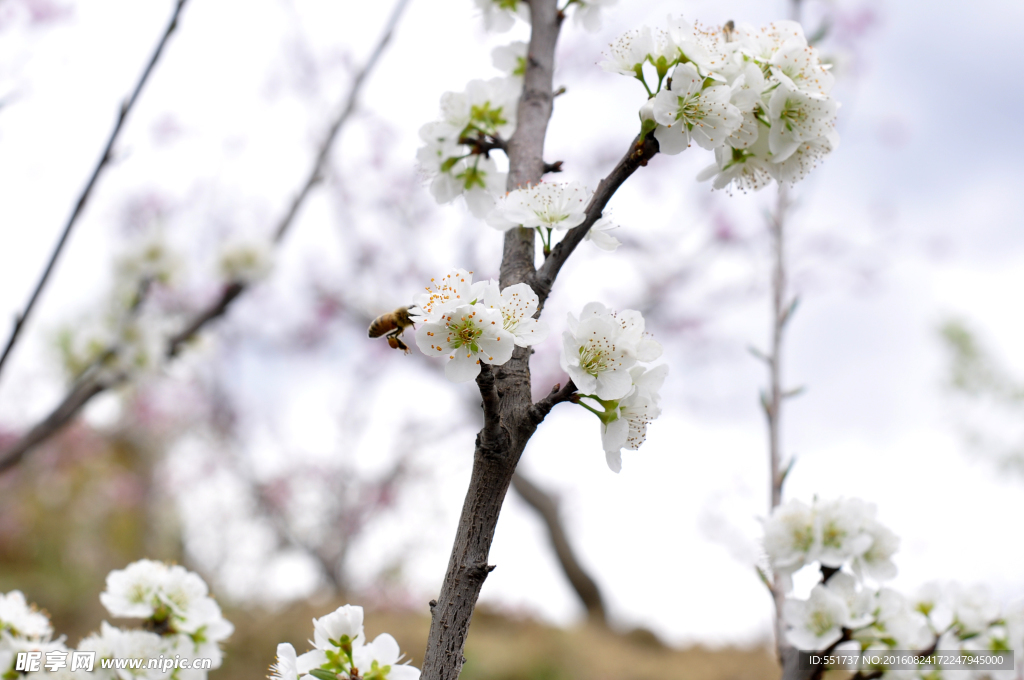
(295, 464)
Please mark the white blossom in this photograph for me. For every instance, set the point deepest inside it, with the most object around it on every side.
(384, 654)
(148, 259)
(595, 355)
(634, 413)
(745, 170)
(588, 13)
(545, 205)
(746, 96)
(344, 622)
(817, 622)
(876, 561)
(246, 261)
(116, 643)
(487, 106)
(599, 235)
(691, 112)
(18, 618)
(500, 15)
(859, 602)
(634, 333)
(840, 531)
(805, 157)
(704, 49)
(630, 51)
(442, 142)
(973, 609)
(467, 336)
(798, 67)
(789, 537)
(341, 650)
(287, 665)
(172, 596)
(797, 117)
(511, 58)
(133, 592)
(896, 624)
(450, 291)
(517, 304)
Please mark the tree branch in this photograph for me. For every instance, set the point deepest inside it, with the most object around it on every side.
(772, 403)
(558, 394)
(491, 437)
(640, 151)
(104, 160)
(85, 390)
(547, 507)
(316, 172)
(493, 468)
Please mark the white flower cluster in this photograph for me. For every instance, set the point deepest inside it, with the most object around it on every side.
(472, 323)
(129, 336)
(182, 622)
(341, 652)
(548, 206)
(845, 612)
(245, 260)
(456, 156)
(829, 533)
(23, 629)
(602, 351)
(758, 97)
(500, 15)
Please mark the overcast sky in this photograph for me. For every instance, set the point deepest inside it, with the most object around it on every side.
(915, 219)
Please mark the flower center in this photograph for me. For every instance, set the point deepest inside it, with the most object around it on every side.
(793, 114)
(833, 536)
(593, 359)
(820, 623)
(464, 333)
(689, 110)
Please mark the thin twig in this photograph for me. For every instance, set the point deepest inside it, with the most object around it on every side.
(104, 160)
(558, 395)
(88, 388)
(491, 435)
(772, 401)
(640, 152)
(316, 173)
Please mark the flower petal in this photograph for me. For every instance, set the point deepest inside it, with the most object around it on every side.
(463, 367)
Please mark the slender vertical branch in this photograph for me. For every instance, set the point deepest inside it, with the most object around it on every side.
(781, 312)
(500, 444)
(104, 160)
(772, 399)
(316, 172)
(90, 386)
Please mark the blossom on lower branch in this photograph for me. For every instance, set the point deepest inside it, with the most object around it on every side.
(181, 623)
(600, 352)
(341, 652)
(472, 324)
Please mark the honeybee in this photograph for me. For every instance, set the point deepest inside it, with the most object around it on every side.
(392, 325)
(729, 30)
